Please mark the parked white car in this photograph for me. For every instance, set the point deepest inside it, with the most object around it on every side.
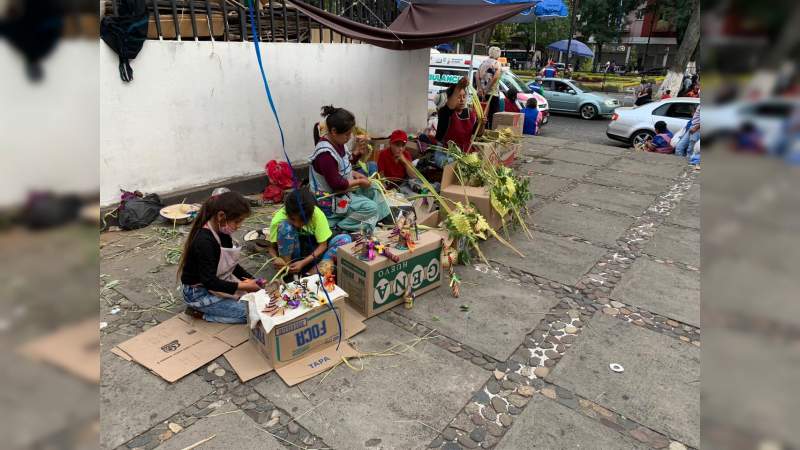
(447, 68)
(769, 116)
(636, 124)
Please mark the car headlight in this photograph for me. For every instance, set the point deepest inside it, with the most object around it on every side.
(611, 102)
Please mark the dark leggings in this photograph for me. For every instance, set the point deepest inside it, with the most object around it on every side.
(494, 105)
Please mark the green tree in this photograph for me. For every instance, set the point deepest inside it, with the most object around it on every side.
(542, 33)
(603, 20)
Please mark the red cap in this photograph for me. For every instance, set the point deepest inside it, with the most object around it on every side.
(398, 136)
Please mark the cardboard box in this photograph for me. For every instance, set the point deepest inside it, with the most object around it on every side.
(515, 121)
(487, 150)
(249, 362)
(377, 285)
(478, 196)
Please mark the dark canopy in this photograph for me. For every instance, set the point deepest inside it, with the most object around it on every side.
(420, 25)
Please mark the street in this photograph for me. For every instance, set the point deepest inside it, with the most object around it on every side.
(571, 126)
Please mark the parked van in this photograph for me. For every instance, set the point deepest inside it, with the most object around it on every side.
(447, 68)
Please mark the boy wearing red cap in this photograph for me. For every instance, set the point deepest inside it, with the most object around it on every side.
(389, 164)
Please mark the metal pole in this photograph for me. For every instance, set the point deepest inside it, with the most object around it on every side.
(471, 57)
(534, 42)
(571, 30)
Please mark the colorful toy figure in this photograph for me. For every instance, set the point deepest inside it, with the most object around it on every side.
(455, 285)
(328, 277)
(402, 231)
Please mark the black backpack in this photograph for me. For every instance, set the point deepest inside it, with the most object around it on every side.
(139, 212)
(125, 33)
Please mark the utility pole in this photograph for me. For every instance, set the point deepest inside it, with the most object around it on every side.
(571, 28)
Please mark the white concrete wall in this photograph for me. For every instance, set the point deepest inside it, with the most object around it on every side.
(48, 129)
(196, 112)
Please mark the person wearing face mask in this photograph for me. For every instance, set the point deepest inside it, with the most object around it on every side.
(346, 196)
(209, 268)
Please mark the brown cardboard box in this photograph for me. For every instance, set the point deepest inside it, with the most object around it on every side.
(507, 153)
(515, 121)
(248, 361)
(487, 150)
(178, 346)
(377, 285)
(478, 196)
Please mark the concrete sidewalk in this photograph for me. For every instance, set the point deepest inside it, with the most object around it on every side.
(612, 275)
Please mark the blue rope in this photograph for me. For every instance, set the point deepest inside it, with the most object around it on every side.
(295, 184)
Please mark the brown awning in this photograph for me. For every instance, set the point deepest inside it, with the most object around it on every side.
(420, 25)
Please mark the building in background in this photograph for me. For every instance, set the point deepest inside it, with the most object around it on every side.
(648, 41)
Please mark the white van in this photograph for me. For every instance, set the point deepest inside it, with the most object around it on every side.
(447, 68)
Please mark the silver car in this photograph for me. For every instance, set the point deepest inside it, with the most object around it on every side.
(570, 96)
(636, 124)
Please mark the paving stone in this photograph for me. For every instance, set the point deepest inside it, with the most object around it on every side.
(133, 400)
(648, 168)
(477, 419)
(640, 183)
(451, 446)
(517, 400)
(549, 256)
(686, 214)
(466, 442)
(506, 420)
(493, 387)
(494, 429)
(233, 430)
(595, 148)
(489, 413)
(663, 289)
(676, 243)
(526, 391)
(580, 157)
(498, 342)
(449, 434)
(588, 223)
(478, 434)
(436, 443)
(498, 375)
(618, 200)
(546, 186)
(650, 359)
(429, 384)
(498, 404)
(556, 168)
(546, 424)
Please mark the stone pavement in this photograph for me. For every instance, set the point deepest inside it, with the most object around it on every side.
(610, 276)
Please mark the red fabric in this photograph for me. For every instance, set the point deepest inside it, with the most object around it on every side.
(398, 136)
(460, 131)
(391, 168)
(511, 106)
(280, 179)
(665, 96)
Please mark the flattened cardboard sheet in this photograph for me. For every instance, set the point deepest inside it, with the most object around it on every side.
(179, 345)
(315, 363)
(248, 362)
(74, 348)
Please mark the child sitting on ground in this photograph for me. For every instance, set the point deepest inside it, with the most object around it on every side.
(661, 141)
(300, 236)
(531, 111)
(209, 269)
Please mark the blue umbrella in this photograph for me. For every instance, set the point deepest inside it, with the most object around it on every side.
(542, 10)
(576, 48)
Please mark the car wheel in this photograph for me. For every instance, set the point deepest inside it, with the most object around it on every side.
(640, 137)
(588, 112)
